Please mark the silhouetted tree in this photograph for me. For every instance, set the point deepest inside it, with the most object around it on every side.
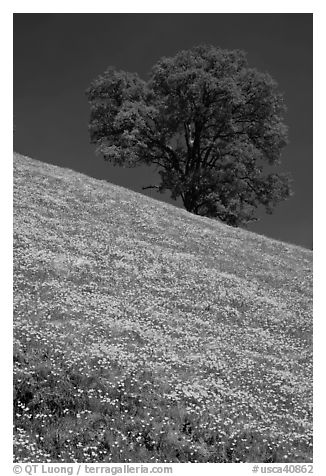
(208, 122)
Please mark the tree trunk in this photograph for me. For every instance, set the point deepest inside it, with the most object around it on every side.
(190, 202)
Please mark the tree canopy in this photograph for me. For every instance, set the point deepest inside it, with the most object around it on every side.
(209, 122)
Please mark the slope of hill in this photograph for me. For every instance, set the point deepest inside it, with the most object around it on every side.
(144, 333)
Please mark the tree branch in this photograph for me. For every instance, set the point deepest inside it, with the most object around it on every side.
(151, 186)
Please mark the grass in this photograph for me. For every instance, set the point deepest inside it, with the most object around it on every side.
(143, 333)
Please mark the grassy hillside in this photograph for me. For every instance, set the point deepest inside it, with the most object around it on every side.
(144, 333)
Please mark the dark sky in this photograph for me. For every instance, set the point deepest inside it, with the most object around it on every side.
(56, 56)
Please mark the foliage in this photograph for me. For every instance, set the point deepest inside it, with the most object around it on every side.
(208, 121)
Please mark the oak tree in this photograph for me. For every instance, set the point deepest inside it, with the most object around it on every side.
(210, 123)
